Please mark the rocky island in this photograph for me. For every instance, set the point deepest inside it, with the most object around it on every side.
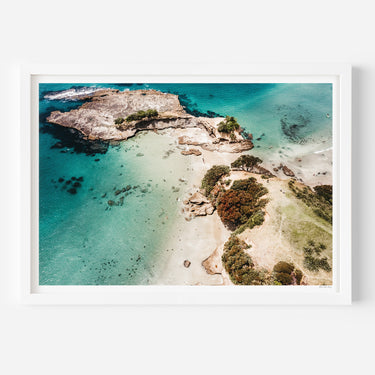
(110, 115)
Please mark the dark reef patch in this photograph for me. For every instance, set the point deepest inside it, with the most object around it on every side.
(71, 138)
(192, 108)
(124, 84)
(295, 123)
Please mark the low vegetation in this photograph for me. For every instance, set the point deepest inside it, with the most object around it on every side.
(229, 125)
(212, 176)
(242, 270)
(150, 113)
(320, 200)
(286, 274)
(257, 218)
(325, 192)
(312, 257)
(239, 264)
(119, 120)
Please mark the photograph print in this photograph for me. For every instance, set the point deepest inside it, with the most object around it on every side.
(185, 184)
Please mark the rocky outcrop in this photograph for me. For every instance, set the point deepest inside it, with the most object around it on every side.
(213, 264)
(198, 205)
(95, 119)
(191, 151)
(187, 263)
(287, 171)
(219, 144)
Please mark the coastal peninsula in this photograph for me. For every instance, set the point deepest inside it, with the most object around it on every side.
(243, 221)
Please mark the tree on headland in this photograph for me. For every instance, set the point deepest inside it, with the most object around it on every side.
(229, 125)
(246, 162)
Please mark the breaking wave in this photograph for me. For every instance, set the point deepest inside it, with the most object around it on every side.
(72, 94)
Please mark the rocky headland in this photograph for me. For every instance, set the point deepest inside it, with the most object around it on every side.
(107, 116)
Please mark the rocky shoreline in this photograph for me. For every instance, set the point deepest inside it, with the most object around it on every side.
(96, 120)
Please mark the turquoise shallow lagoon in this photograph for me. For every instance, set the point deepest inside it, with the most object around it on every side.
(84, 241)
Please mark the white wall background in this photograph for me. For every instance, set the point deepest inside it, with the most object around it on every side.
(187, 340)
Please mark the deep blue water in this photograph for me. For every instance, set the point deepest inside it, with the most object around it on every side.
(84, 241)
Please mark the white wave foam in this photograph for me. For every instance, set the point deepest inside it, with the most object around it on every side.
(320, 151)
(71, 94)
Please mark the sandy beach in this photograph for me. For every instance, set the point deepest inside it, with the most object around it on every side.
(202, 237)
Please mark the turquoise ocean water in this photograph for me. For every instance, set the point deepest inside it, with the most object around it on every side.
(84, 241)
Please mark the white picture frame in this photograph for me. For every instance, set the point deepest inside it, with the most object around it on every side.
(337, 294)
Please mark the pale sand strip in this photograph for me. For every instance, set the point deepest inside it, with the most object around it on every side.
(195, 240)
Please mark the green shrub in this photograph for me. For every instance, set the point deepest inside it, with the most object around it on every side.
(229, 125)
(212, 176)
(239, 264)
(283, 267)
(286, 274)
(257, 218)
(284, 278)
(150, 113)
(299, 275)
(119, 120)
(325, 192)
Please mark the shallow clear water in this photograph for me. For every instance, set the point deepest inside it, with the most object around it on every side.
(84, 241)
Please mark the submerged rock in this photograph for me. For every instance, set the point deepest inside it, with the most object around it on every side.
(57, 145)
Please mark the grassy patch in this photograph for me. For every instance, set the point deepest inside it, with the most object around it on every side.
(300, 223)
(319, 201)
